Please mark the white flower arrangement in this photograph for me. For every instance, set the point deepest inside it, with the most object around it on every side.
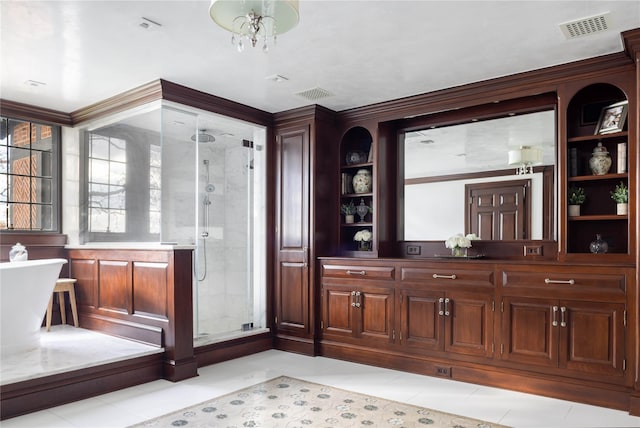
(363, 235)
(460, 241)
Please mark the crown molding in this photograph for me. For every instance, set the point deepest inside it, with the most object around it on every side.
(141, 95)
(31, 113)
(490, 91)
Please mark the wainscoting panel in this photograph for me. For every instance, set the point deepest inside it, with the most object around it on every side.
(114, 286)
(150, 289)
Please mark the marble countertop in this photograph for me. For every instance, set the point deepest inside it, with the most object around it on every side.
(130, 246)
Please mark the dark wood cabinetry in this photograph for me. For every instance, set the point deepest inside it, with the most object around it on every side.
(358, 312)
(453, 322)
(484, 321)
(570, 318)
(447, 308)
(304, 182)
(358, 304)
(585, 338)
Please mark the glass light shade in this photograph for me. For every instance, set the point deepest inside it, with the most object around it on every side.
(525, 155)
(284, 14)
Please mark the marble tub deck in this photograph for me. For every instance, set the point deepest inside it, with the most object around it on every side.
(67, 348)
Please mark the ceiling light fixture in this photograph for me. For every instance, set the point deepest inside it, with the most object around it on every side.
(251, 20)
(525, 158)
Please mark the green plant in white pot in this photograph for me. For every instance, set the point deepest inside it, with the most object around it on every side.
(349, 211)
(576, 198)
(621, 195)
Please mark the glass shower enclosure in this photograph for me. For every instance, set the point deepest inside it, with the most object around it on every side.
(168, 173)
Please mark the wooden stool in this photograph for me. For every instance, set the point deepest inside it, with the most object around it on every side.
(62, 285)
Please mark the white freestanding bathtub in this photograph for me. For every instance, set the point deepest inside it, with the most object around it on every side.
(25, 289)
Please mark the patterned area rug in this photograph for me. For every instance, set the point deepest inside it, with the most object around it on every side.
(293, 403)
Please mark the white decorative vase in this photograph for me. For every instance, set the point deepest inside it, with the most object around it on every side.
(622, 209)
(600, 161)
(362, 181)
(349, 218)
(574, 210)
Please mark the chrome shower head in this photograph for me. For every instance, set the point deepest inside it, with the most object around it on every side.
(203, 137)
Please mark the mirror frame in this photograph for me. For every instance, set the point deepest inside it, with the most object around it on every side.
(519, 106)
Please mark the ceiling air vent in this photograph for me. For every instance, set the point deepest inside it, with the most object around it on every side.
(314, 94)
(586, 26)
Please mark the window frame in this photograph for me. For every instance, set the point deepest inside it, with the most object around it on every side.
(56, 176)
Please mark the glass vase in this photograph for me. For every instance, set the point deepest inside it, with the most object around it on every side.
(459, 251)
(599, 245)
(364, 245)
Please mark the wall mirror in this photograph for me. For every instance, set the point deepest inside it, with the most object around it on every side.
(457, 179)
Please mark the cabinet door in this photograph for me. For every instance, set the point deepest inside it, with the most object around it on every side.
(469, 326)
(375, 312)
(592, 338)
(421, 323)
(337, 317)
(528, 333)
(292, 272)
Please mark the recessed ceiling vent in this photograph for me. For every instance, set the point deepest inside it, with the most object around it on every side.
(586, 26)
(314, 94)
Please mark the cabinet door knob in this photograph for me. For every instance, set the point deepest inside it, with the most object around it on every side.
(438, 276)
(554, 322)
(559, 281)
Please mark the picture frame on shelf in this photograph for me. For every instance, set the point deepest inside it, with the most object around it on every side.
(612, 118)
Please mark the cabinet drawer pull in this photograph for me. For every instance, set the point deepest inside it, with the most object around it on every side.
(559, 281)
(446, 307)
(563, 311)
(437, 276)
(357, 272)
(441, 306)
(554, 322)
(358, 299)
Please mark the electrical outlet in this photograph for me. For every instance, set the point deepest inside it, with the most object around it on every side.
(533, 250)
(413, 250)
(443, 371)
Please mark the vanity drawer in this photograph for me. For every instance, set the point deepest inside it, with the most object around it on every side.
(446, 274)
(359, 272)
(582, 278)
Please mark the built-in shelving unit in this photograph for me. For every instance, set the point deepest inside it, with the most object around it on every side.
(598, 214)
(357, 154)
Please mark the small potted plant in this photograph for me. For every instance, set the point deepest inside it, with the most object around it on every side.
(621, 195)
(576, 198)
(349, 211)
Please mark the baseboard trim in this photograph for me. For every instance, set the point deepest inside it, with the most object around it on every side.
(564, 388)
(223, 351)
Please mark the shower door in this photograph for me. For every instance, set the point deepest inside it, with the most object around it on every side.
(229, 297)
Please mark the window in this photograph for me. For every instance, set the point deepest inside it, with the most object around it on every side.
(122, 193)
(29, 182)
(107, 180)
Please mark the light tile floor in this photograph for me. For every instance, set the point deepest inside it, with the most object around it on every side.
(136, 404)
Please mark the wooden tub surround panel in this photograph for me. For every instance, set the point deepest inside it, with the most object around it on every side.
(143, 295)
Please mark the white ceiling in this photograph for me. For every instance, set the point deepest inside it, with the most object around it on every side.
(363, 52)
